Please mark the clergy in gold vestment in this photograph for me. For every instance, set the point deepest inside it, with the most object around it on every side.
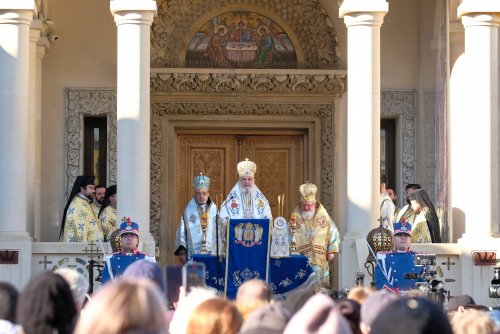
(108, 213)
(316, 234)
(79, 222)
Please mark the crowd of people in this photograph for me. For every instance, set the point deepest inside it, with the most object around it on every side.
(57, 302)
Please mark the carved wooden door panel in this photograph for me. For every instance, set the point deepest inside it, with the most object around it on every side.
(214, 156)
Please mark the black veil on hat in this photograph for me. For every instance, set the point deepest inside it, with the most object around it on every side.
(430, 213)
(81, 181)
(110, 191)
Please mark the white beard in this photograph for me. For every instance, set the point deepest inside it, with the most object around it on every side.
(308, 214)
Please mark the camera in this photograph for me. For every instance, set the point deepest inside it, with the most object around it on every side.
(432, 287)
(425, 259)
(494, 291)
(53, 37)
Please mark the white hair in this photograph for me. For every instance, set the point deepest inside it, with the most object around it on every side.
(186, 306)
(77, 282)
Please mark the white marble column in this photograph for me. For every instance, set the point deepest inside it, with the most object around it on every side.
(15, 20)
(35, 31)
(133, 20)
(474, 124)
(363, 19)
(41, 48)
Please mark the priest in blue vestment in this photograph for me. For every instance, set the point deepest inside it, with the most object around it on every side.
(197, 230)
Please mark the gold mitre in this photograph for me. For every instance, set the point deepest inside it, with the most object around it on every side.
(201, 182)
(308, 192)
(247, 168)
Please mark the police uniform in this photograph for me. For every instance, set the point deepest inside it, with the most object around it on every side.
(119, 261)
(392, 266)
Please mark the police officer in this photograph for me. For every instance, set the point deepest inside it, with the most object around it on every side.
(392, 266)
(116, 264)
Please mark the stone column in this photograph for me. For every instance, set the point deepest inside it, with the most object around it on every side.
(35, 30)
(363, 19)
(474, 124)
(42, 46)
(15, 20)
(133, 20)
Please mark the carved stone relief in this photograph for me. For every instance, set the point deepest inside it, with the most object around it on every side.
(306, 20)
(81, 103)
(401, 104)
(239, 82)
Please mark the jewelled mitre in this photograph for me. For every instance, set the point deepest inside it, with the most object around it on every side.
(246, 168)
(308, 192)
(201, 182)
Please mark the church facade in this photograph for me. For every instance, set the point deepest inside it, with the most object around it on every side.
(146, 94)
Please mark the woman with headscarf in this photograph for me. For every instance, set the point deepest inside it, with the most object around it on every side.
(426, 228)
(108, 214)
(46, 306)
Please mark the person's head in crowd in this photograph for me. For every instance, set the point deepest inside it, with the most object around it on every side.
(420, 202)
(318, 315)
(201, 185)
(246, 172)
(307, 202)
(411, 188)
(372, 307)
(383, 183)
(46, 305)
(495, 316)
(360, 293)
(351, 310)
(252, 294)
(146, 269)
(461, 303)
(127, 305)
(215, 316)
(8, 301)
(110, 199)
(78, 284)
(413, 293)
(100, 191)
(129, 236)
(402, 236)
(472, 322)
(392, 195)
(268, 319)
(297, 298)
(411, 316)
(187, 303)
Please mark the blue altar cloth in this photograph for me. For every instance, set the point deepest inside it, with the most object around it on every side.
(285, 274)
(247, 252)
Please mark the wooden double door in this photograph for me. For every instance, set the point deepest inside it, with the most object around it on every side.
(280, 158)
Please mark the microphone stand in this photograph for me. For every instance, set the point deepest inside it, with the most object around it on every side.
(217, 241)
